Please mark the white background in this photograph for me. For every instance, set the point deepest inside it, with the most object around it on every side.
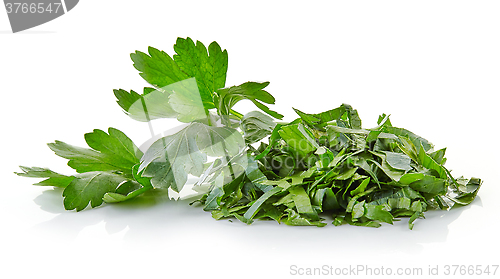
(432, 65)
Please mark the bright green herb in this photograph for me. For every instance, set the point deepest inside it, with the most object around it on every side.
(317, 166)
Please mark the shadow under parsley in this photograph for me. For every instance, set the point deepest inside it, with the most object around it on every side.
(153, 217)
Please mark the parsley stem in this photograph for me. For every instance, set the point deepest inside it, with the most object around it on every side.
(147, 116)
(237, 114)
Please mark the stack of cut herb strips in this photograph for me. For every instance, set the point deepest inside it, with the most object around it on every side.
(297, 173)
(326, 163)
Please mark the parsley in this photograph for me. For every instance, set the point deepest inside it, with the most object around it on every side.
(250, 166)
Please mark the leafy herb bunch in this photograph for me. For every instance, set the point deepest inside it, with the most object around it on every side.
(248, 165)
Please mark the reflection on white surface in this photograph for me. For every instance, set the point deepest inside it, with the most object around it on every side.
(153, 217)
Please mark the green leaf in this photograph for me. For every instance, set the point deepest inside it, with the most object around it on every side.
(187, 101)
(169, 160)
(273, 140)
(302, 202)
(153, 105)
(286, 200)
(209, 68)
(256, 126)
(298, 138)
(372, 136)
(213, 198)
(353, 200)
(325, 156)
(369, 224)
(358, 210)
(330, 201)
(398, 161)
(408, 178)
(181, 100)
(318, 196)
(130, 189)
(346, 174)
(415, 139)
(308, 118)
(53, 178)
(321, 118)
(408, 148)
(361, 188)
(295, 219)
(222, 191)
(126, 99)
(112, 152)
(378, 213)
(429, 163)
(250, 213)
(83, 159)
(383, 121)
(392, 173)
(253, 91)
(269, 211)
(414, 217)
(127, 190)
(298, 177)
(399, 203)
(430, 184)
(465, 198)
(438, 156)
(416, 206)
(144, 181)
(339, 220)
(115, 144)
(255, 175)
(157, 68)
(354, 119)
(363, 164)
(90, 187)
